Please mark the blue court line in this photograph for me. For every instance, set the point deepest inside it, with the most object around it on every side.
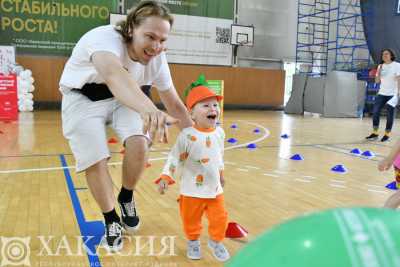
(88, 229)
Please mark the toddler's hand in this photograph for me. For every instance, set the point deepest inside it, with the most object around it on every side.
(162, 186)
(222, 180)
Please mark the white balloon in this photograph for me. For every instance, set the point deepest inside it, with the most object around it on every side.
(29, 96)
(24, 74)
(28, 72)
(31, 89)
(30, 108)
(18, 69)
(19, 80)
(31, 80)
(22, 102)
(24, 85)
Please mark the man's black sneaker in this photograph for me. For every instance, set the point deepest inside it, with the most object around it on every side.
(112, 239)
(372, 137)
(129, 218)
(385, 138)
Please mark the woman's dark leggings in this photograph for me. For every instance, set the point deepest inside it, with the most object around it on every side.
(380, 101)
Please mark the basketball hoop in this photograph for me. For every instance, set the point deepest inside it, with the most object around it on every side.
(242, 35)
(241, 43)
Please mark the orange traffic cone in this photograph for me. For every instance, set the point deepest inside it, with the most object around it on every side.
(235, 230)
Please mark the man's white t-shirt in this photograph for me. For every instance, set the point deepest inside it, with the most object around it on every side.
(80, 70)
(389, 73)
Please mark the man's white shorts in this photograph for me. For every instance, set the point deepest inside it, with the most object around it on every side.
(84, 125)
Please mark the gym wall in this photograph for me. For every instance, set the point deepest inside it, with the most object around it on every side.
(247, 87)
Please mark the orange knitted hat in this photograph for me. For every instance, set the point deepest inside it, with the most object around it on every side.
(198, 91)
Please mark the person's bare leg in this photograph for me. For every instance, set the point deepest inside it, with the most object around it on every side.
(135, 158)
(393, 202)
(100, 184)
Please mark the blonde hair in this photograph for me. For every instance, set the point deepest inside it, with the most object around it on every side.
(137, 15)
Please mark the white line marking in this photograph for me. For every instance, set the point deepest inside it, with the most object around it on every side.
(309, 177)
(338, 185)
(37, 170)
(61, 168)
(302, 180)
(377, 191)
(242, 170)
(372, 185)
(252, 167)
(154, 159)
(230, 163)
(338, 181)
(280, 172)
(272, 175)
(266, 134)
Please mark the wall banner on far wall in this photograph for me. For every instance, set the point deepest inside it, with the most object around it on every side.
(43, 27)
(201, 31)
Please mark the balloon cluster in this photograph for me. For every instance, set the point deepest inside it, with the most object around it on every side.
(25, 88)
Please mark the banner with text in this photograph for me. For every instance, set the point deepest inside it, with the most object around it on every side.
(45, 27)
(8, 97)
(201, 31)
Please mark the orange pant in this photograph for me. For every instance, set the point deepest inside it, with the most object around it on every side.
(192, 209)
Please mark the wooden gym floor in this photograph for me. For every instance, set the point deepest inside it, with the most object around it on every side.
(41, 195)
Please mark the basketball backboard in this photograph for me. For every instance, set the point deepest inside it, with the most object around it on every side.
(242, 35)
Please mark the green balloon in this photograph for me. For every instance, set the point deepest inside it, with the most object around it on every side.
(353, 237)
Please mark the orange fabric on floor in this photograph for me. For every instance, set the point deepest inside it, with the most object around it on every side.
(192, 210)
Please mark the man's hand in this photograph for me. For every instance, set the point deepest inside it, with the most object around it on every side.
(155, 123)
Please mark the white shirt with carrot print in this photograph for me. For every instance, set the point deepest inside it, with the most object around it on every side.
(197, 158)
